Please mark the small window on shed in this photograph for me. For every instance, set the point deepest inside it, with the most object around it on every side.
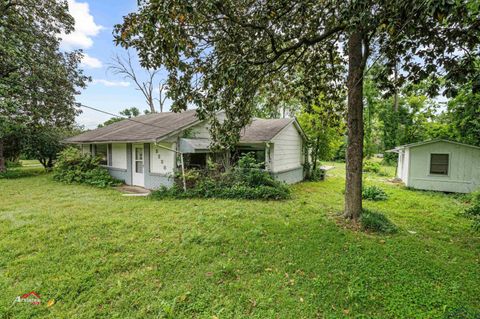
(439, 164)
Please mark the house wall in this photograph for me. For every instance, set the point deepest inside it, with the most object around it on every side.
(162, 160)
(156, 173)
(463, 173)
(288, 154)
(201, 130)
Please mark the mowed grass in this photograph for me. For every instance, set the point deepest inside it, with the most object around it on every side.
(101, 255)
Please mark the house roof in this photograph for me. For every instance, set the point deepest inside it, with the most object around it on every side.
(150, 127)
(263, 130)
(401, 147)
(156, 126)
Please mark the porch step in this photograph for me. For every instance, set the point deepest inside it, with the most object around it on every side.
(129, 190)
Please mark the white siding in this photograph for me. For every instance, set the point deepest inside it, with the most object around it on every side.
(162, 161)
(201, 130)
(287, 149)
(119, 156)
(463, 173)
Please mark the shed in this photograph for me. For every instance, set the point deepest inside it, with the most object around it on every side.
(439, 165)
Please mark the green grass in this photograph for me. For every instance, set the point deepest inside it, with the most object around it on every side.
(101, 255)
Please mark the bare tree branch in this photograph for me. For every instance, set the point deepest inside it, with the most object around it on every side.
(124, 66)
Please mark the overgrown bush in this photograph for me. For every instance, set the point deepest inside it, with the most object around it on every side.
(73, 167)
(374, 193)
(317, 175)
(370, 166)
(473, 211)
(246, 180)
(376, 222)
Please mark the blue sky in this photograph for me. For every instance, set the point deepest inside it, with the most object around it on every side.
(94, 21)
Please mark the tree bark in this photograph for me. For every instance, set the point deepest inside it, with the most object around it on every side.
(354, 156)
(3, 168)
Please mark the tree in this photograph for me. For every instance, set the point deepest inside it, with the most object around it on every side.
(124, 67)
(464, 113)
(128, 112)
(38, 83)
(218, 54)
(44, 143)
(322, 123)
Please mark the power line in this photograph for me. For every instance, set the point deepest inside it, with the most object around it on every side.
(120, 116)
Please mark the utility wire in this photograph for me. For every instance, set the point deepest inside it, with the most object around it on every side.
(120, 116)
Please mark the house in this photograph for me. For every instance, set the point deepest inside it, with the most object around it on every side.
(147, 150)
(439, 165)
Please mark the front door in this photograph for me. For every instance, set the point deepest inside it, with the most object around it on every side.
(137, 165)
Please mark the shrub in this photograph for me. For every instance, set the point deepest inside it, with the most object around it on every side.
(376, 222)
(370, 166)
(73, 167)
(317, 175)
(246, 180)
(235, 192)
(473, 211)
(374, 193)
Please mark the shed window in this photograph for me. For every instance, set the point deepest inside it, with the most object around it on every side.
(439, 164)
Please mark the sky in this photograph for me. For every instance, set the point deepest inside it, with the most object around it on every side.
(94, 21)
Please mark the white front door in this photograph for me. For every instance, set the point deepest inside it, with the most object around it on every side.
(137, 165)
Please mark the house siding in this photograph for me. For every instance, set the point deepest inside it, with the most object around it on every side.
(287, 150)
(290, 176)
(156, 180)
(162, 161)
(463, 173)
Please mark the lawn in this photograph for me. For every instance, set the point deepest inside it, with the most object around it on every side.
(98, 254)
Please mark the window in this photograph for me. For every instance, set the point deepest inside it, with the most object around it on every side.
(195, 160)
(439, 164)
(101, 150)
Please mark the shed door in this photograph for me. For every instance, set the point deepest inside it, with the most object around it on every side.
(138, 174)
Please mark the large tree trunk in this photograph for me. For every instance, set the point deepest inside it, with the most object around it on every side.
(354, 156)
(3, 168)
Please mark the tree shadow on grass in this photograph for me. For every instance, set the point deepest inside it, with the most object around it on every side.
(22, 172)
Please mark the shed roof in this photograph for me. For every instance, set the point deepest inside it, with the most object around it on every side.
(398, 148)
(157, 126)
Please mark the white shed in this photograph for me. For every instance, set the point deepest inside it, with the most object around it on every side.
(439, 165)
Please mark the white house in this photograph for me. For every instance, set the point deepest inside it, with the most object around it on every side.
(145, 150)
(439, 165)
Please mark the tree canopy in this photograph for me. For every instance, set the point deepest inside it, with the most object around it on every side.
(219, 54)
(38, 83)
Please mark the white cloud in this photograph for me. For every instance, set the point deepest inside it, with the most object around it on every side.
(91, 62)
(85, 27)
(111, 83)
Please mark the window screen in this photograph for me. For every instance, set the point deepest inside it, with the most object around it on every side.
(439, 164)
(101, 151)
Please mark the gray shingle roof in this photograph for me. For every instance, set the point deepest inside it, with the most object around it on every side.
(152, 127)
(263, 130)
(148, 127)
